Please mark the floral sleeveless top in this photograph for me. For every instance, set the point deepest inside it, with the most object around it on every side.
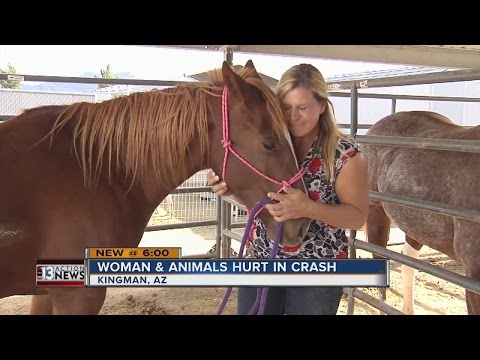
(322, 240)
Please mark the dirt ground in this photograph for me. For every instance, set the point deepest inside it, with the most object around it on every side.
(432, 296)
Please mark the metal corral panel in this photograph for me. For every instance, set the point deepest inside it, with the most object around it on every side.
(12, 102)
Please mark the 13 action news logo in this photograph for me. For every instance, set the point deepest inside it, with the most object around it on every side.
(60, 272)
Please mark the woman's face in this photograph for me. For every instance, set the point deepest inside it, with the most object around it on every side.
(302, 111)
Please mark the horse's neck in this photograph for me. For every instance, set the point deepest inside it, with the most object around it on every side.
(155, 190)
(194, 160)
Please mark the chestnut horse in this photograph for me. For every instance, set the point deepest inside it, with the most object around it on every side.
(91, 175)
(448, 177)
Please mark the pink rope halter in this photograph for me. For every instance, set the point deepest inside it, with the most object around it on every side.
(260, 302)
(227, 145)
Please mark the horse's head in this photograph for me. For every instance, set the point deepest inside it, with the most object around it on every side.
(257, 133)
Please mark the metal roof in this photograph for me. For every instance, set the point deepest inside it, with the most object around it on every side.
(452, 56)
(412, 70)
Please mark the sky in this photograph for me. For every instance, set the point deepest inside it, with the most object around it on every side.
(155, 63)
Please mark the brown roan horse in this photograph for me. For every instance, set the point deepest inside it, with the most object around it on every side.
(91, 175)
(448, 177)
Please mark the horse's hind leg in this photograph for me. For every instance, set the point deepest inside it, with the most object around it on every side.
(466, 247)
(77, 301)
(41, 305)
(473, 301)
(377, 231)
(410, 248)
(377, 227)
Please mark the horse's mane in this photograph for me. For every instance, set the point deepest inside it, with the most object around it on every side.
(150, 131)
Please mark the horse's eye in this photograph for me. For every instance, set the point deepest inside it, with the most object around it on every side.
(269, 146)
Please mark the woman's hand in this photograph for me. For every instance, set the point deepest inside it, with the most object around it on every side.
(218, 187)
(291, 204)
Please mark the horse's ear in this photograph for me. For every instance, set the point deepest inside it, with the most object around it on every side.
(249, 65)
(234, 82)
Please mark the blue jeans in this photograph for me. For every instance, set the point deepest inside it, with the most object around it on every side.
(293, 300)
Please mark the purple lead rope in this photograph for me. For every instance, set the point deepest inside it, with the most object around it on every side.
(261, 299)
(259, 305)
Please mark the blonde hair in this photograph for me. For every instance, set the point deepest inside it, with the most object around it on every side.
(309, 77)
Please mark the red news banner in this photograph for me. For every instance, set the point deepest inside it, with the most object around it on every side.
(74, 272)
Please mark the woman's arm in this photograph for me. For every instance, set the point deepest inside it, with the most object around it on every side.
(352, 189)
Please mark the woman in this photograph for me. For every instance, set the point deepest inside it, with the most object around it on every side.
(338, 195)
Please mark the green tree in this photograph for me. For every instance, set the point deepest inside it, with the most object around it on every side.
(10, 84)
(106, 74)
